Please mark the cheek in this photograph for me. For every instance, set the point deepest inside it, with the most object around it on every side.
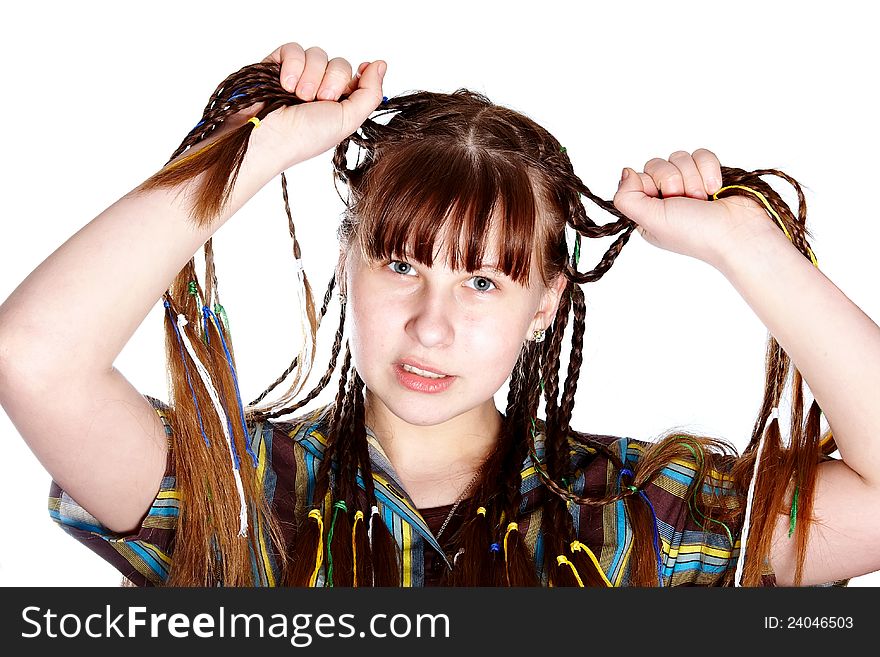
(492, 342)
(369, 325)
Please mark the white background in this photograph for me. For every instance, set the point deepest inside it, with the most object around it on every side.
(97, 95)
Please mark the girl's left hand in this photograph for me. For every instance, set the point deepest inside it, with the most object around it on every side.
(683, 220)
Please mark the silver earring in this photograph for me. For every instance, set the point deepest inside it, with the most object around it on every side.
(538, 335)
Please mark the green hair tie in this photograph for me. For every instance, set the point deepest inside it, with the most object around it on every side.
(336, 506)
(224, 319)
(692, 507)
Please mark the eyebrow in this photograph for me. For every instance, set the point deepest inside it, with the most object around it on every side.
(485, 266)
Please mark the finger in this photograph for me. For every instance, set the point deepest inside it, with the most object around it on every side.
(709, 168)
(366, 97)
(666, 176)
(633, 199)
(648, 185)
(336, 78)
(292, 58)
(313, 73)
(353, 83)
(690, 175)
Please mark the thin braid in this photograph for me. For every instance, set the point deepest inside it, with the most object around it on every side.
(362, 445)
(364, 565)
(382, 548)
(551, 375)
(555, 521)
(322, 482)
(328, 295)
(575, 358)
(520, 566)
(349, 433)
(325, 379)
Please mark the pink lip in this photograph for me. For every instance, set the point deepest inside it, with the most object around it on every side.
(421, 366)
(418, 383)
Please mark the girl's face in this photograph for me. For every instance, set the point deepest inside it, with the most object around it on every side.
(469, 326)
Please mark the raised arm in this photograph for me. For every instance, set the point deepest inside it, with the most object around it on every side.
(832, 343)
(62, 328)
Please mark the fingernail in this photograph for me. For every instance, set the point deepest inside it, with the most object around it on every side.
(290, 82)
(306, 90)
(382, 68)
(624, 175)
(328, 94)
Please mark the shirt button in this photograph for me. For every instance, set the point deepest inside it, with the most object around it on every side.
(436, 566)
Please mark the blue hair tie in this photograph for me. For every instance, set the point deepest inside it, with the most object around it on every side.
(207, 312)
(627, 472)
(494, 547)
(657, 548)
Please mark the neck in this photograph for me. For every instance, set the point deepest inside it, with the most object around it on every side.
(435, 463)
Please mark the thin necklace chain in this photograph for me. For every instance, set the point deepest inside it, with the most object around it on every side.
(459, 501)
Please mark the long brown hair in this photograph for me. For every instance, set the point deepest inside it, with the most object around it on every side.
(429, 166)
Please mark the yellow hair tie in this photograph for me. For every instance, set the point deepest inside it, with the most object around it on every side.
(319, 558)
(769, 209)
(577, 545)
(358, 515)
(255, 121)
(562, 560)
(512, 527)
(481, 511)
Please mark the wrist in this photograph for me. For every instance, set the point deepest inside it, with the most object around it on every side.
(764, 247)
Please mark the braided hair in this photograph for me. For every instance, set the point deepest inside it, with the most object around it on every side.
(429, 166)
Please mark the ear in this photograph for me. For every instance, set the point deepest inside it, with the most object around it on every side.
(548, 306)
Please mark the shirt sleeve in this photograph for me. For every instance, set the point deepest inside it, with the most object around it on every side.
(698, 551)
(143, 557)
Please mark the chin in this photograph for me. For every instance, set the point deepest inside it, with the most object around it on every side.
(426, 413)
(423, 410)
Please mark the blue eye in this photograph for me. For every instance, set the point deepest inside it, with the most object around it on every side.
(404, 268)
(484, 282)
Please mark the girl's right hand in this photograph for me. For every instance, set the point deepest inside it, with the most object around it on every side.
(298, 132)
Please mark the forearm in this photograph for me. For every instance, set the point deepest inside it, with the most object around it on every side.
(77, 310)
(834, 345)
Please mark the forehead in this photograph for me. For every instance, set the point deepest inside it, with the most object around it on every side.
(450, 204)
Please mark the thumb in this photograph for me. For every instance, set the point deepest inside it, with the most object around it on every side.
(633, 199)
(368, 94)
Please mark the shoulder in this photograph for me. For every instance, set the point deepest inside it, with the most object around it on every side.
(680, 457)
(678, 477)
(162, 410)
(307, 431)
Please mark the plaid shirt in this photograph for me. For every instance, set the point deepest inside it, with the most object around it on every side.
(289, 456)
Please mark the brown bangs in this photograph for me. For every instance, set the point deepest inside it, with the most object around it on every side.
(426, 189)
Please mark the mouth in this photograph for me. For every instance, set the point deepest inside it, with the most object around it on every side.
(429, 374)
(419, 379)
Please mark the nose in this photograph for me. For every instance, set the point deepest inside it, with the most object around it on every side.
(431, 321)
